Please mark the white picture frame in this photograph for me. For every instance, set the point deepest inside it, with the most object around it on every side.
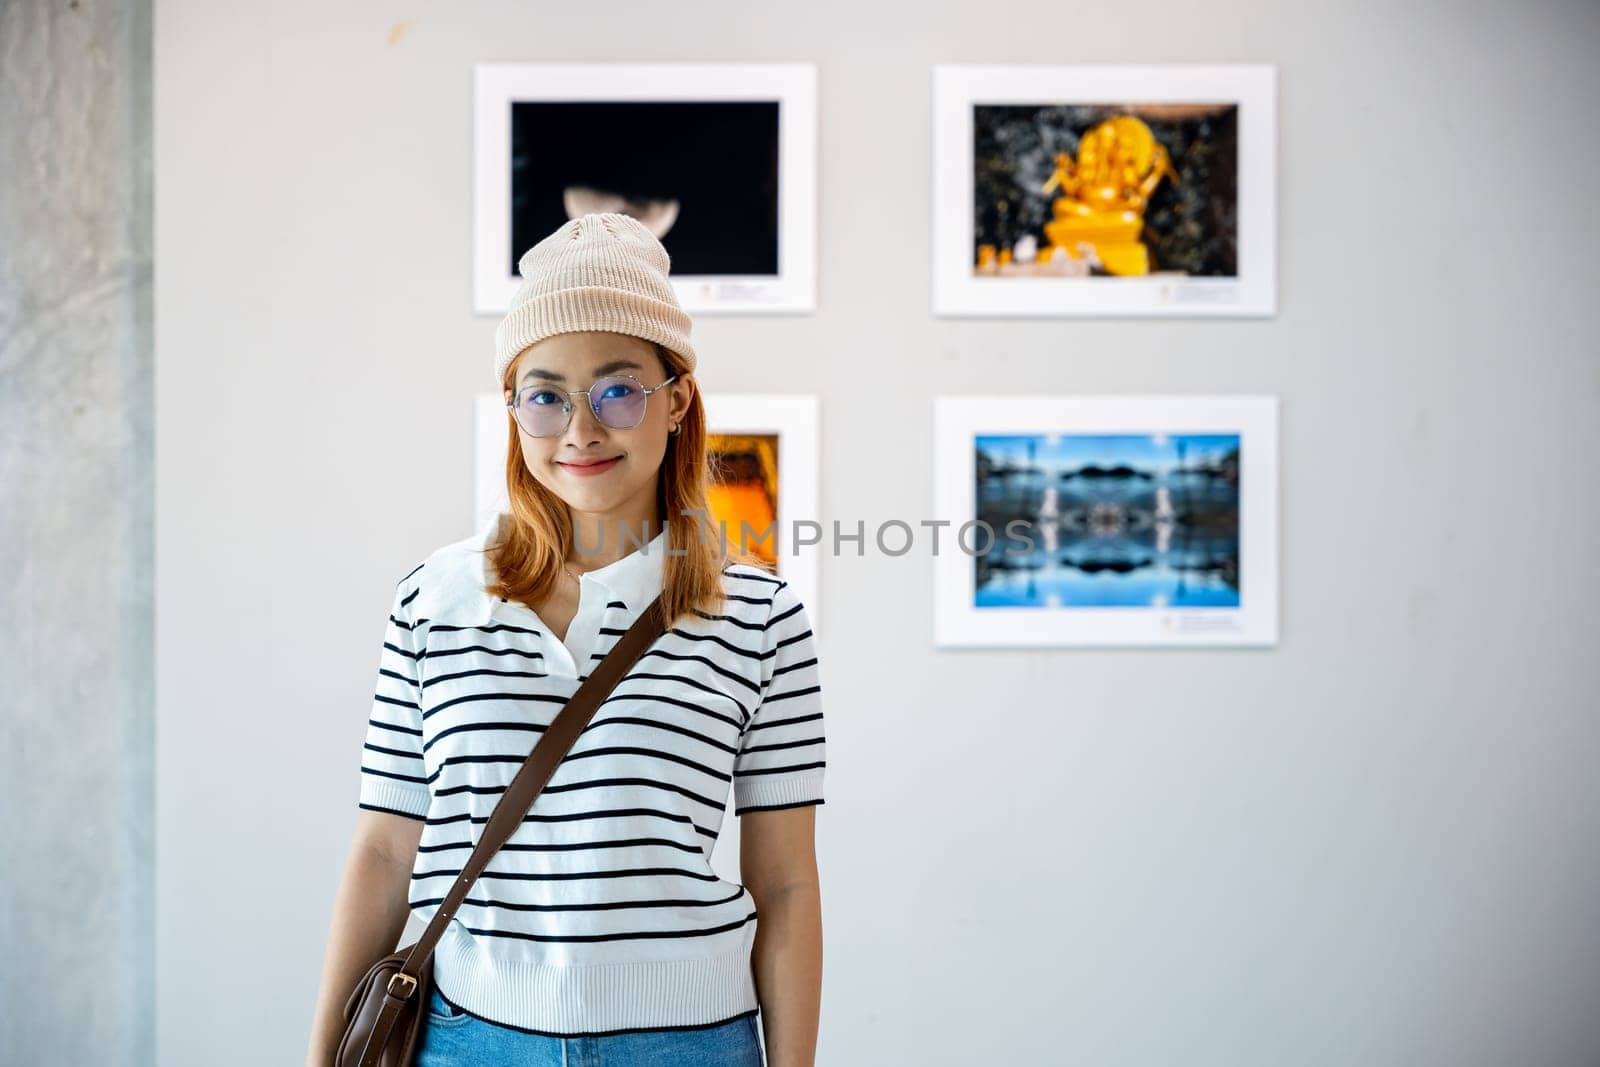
(1105, 614)
(497, 86)
(959, 289)
(490, 425)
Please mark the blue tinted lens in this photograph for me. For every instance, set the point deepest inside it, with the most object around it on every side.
(617, 402)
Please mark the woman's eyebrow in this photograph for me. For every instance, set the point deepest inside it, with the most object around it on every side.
(604, 368)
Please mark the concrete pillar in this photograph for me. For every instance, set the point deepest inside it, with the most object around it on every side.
(76, 534)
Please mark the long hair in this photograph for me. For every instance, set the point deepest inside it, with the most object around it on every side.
(537, 539)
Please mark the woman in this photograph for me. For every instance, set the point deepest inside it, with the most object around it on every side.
(599, 933)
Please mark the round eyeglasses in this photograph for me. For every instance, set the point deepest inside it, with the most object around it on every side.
(617, 401)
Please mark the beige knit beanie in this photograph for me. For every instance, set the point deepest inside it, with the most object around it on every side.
(603, 271)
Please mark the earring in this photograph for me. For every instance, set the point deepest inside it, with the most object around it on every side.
(674, 429)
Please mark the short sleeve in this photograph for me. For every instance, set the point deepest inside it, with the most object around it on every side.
(780, 760)
(393, 777)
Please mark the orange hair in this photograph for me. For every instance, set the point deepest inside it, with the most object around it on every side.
(528, 560)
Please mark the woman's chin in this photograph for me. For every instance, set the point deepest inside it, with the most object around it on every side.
(580, 494)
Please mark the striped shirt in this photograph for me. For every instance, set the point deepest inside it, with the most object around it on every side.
(602, 912)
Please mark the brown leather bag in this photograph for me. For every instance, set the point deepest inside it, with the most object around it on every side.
(385, 1012)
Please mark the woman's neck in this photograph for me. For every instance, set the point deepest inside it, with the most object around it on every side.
(598, 541)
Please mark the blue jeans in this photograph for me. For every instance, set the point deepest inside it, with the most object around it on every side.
(453, 1038)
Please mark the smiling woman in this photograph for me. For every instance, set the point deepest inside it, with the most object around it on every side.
(600, 928)
(586, 477)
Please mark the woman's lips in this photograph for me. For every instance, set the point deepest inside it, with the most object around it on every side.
(585, 470)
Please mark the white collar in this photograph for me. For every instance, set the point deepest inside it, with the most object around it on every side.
(454, 579)
(634, 579)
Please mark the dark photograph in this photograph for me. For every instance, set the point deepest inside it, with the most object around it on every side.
(701, 176)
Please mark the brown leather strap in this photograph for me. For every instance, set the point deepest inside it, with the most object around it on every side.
(378, 1041)
(548, 752)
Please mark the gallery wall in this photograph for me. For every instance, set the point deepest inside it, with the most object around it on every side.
(1377, 841)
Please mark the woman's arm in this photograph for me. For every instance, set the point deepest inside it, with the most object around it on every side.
(369, 915)
(778, 863)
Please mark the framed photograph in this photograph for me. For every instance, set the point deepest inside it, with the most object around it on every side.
(718, 160)
(1079, 521)
(764, 452)
(1105, 190)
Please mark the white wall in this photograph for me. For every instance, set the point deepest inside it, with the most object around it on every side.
(1377, 843)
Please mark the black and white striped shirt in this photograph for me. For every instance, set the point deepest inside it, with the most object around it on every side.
(602, 912)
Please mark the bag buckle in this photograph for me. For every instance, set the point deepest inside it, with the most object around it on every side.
(409, 982)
